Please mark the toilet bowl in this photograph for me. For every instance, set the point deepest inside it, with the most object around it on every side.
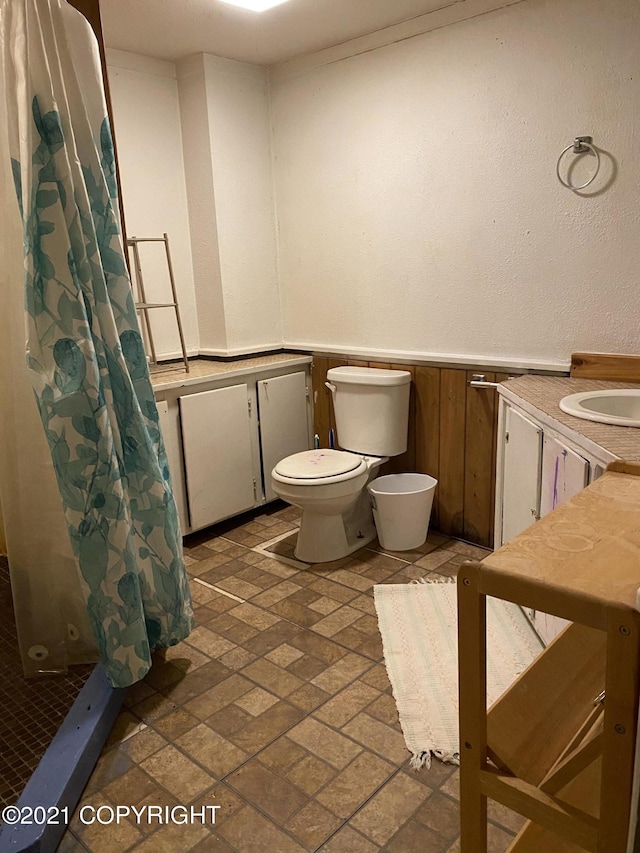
(329, 487)
(371, 409)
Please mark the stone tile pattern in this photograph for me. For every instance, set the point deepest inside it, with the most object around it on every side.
(545, 393)
(173, 374)
(32, 709)
(278, 710)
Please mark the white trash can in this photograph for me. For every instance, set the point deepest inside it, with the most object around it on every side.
(401, 509)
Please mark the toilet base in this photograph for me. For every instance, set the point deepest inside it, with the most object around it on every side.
(323, 538)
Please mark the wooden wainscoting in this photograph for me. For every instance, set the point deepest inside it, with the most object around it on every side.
(616, 367)
(452, 436)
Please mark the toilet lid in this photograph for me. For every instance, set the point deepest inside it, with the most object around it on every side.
(316, 464)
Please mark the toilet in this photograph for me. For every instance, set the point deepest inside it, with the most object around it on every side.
(372, 414)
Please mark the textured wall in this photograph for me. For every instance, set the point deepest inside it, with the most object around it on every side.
(147, 125)
(418, 208)
(238, 110)
(225, 122)
(202, 203)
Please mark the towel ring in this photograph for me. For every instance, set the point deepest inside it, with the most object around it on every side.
(580, 145)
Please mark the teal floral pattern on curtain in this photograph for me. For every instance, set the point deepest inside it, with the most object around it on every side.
(89, 369)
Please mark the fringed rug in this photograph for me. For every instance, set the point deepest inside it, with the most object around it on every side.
(418, 624)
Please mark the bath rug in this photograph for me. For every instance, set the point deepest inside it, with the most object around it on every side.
(418, 624)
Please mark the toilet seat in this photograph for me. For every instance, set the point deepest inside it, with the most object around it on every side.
(314, 464)
(319, 467)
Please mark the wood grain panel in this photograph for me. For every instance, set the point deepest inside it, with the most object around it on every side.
(321, 400)
(500, 377)
(407, 460)
(324, 439)
(453, 393)
(427, 392)
(452, 437)
(604, 365)
(479, 463)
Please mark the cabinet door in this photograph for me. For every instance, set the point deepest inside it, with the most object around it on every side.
(171, 434)
(564, 474)
(284, 425)
(216, 438)
(521, 474)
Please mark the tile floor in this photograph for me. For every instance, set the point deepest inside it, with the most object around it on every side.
(32, 710)
(278, 710)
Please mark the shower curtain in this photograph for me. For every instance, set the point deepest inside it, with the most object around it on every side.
(84, 353)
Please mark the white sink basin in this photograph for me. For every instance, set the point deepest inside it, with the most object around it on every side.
(619, 407)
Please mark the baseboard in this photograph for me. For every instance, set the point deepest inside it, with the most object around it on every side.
(503, 364)
(440, 359)
(238, 352)
(193, 352)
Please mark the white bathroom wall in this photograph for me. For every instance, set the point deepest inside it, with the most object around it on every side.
(238, 99)
(417, 203)
(146, 116)
(198, 170)
(236, 183)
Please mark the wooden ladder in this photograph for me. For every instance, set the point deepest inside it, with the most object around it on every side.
(143, 306)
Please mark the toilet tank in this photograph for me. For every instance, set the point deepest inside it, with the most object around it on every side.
(372, 409)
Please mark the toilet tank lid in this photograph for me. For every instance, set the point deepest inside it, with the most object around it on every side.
(368, 376)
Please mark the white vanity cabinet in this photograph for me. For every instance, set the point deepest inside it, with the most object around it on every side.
(220, 462)
(225, 432)
(537, 470)
(564, 473)
(169, 417)
(521, 441)
(284, 430)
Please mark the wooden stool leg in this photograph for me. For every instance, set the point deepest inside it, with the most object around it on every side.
(620, 721)
(472, 642)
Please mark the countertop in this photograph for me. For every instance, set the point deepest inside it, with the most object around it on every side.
(542, 394)
(202, 369)
(589, 545)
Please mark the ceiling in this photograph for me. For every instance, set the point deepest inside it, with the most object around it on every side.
(171, 29)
